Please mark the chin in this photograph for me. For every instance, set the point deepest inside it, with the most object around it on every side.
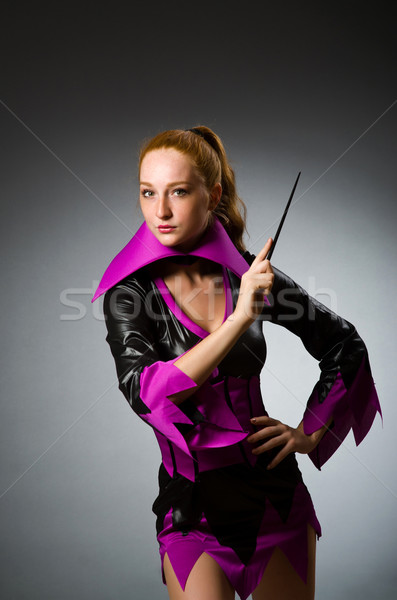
(167, 242)
(176, 240)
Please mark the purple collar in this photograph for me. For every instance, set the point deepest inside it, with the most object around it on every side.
(144, 248)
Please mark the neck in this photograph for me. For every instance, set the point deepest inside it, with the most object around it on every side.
(195, 271)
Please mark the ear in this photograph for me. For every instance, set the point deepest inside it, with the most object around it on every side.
(215, 196)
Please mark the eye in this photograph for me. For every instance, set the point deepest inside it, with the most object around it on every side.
(180, 192)
(146, 193)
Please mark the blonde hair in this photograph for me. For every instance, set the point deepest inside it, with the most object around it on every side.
(208, 155)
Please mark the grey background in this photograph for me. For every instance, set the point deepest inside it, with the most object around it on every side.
(289, 86)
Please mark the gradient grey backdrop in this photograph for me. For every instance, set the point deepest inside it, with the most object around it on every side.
(288, 86)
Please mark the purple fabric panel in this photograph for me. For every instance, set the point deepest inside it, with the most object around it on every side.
(184, 464)
(144, 248)
(354, 409)
(221, 427)
(209, 435)
(215, 458)
(332, 439)
(183, 552)
(364, 413)
(238, 388)
(316, 413)
(159, 380)
(238, 396)
(367, 418)
(185, 558)
(290, 537)
(258, 408)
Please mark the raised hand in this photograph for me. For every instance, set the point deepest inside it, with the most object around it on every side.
(256, 283)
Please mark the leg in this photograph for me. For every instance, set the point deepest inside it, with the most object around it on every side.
(206, 581)
(280, 580)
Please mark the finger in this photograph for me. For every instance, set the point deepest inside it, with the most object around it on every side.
(270, 444)
(260, 287)
(264, 433)
(279, 457)
(262, 253)
(264, 420)
(257, 282)
(264, 267)
(261, 280)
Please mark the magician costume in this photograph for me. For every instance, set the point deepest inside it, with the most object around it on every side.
(215, 496)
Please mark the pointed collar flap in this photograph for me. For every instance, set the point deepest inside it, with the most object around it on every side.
(144, 248)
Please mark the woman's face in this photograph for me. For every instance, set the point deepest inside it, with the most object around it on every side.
(174, 200)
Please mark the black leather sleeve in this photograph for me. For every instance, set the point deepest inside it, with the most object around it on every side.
(345, 392)
(328, 337)
(130, 337)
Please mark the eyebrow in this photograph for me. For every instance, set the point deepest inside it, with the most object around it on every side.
(170, 184)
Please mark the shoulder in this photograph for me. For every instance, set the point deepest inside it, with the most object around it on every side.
(129, 293)
(137, 282)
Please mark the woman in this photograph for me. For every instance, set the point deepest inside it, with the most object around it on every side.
(184, 304)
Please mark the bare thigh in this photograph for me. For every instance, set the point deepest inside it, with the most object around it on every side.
(206, 581)
(280, 580)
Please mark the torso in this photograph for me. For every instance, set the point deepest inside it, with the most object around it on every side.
(201, 297)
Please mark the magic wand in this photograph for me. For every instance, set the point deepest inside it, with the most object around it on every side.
(269, 254)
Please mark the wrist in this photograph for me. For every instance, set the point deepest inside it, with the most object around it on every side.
(314, 438)
(240, 321)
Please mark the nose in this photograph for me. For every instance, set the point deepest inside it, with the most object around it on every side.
(163, 209)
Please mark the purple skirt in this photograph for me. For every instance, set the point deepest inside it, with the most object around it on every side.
(244, 532)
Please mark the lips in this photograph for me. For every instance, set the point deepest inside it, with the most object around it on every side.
(166, 228)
